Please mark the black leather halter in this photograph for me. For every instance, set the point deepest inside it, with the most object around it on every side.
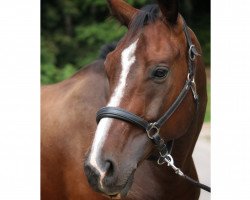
(153, 128)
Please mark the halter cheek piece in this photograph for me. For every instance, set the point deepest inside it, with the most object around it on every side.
(153, 128)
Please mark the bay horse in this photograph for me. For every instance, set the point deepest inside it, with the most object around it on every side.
(137, 83)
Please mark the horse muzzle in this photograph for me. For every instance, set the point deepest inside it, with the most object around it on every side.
(110, 180)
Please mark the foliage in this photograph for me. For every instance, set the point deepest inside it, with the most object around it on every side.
(201, 27)
(72, 32)
(208, 110)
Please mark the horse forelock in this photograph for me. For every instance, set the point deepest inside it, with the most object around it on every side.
(146, 15)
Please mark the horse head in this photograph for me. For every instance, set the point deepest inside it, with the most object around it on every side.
(146, 73)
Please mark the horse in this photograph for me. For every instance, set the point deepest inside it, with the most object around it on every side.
(146, 76)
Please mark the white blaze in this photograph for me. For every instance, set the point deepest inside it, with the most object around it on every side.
(127, 60)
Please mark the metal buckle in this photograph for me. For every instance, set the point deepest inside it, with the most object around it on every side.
(189, 77)
(188, 80)
(194, 90)
(193, 86)
(150, 132)
(191, 54)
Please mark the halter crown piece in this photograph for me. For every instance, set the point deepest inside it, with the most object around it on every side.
(153, 128)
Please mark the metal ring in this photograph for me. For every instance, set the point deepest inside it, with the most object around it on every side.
(189, 77)
(161, 161)
(165, 153)
(191, 54)
(152, 126)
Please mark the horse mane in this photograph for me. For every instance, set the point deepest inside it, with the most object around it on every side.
(146, 15)
(106, 49)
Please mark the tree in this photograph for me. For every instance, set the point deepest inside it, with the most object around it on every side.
(72, 32)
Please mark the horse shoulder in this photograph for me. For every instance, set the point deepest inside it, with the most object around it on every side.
(67, 122)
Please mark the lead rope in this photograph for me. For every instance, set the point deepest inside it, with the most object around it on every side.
(170, 162)
(165, 156)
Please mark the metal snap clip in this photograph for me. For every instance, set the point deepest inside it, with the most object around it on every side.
(161, 161)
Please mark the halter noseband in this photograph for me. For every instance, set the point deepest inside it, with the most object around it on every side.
(153, 128)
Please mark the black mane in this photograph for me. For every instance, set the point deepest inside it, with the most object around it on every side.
(106, 49)
(146, 15)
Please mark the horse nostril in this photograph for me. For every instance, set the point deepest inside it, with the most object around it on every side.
(92, 176)
(110, 177)
(102, 176)
(109, 166)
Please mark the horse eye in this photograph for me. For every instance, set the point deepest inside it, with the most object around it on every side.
(160, 72)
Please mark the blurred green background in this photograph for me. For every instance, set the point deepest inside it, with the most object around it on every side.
(73, 31)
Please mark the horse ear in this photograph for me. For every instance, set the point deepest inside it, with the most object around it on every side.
(169, 9)
(122, 11)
